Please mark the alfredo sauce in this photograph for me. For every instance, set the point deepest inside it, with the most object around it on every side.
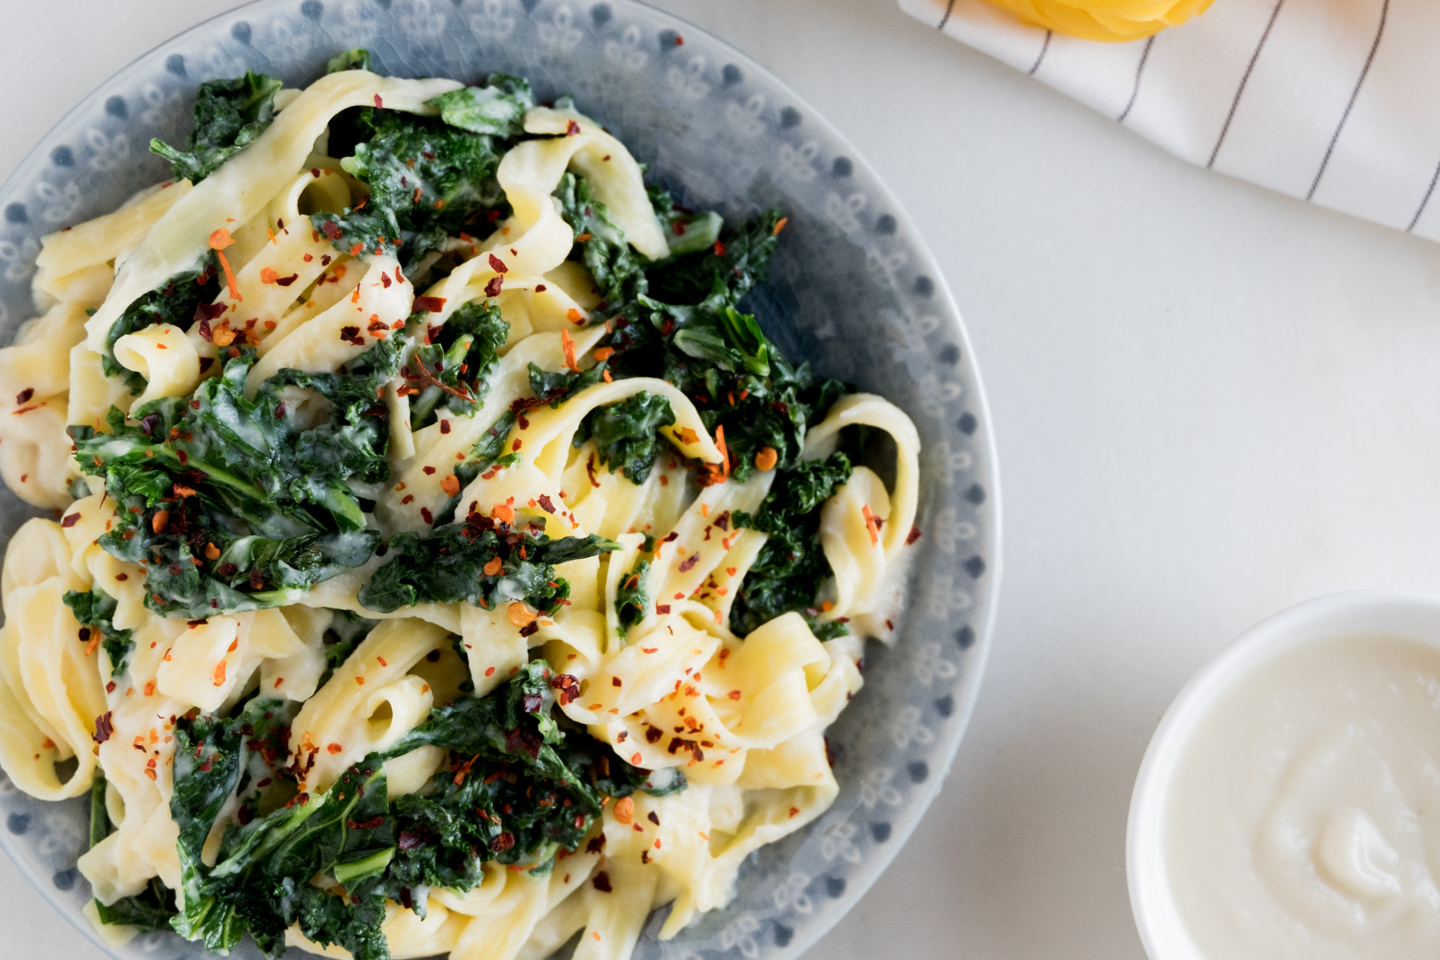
(1303, 820)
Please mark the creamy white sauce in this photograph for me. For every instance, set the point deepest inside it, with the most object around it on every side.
(1304, 817)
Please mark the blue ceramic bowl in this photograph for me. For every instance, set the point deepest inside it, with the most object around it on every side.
(853, 291)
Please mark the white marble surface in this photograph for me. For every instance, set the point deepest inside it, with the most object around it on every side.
(1211, 402)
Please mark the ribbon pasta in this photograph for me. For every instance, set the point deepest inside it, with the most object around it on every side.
(673, 690)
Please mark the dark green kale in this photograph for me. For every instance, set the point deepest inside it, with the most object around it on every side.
(680, 320)
(555, 386)
(229, 116)
(231, 503)
(179, 302)
(261, 880)
(632, 603)
(791, 566)
(354, 59)
(449, 371)
(627, 433)
(95, 611)
(617, 268)
(147, 911)
(480, 561)
(686, 231)
(496, 109)
(429, 177)
(520, 786)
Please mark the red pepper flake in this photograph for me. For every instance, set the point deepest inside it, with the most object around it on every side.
(315, 172)
(498, 265)
(430, 304)
(104, 725)
(689, 563)
(872, 524)
(426, 515)
(285, 282)
(492, 289)
(662, 608)
(23, 397)
(70, 520)
(219, 240)
(568, 346)
(572, 128)
(349, 333)
(601, 880)
(332, 231)
(451, 485)
(914, 535)
(779, 226)
(444, 426)
(379, 104)
(719, 249)
(583, 237)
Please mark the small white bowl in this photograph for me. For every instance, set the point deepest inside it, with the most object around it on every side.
(1412, 616)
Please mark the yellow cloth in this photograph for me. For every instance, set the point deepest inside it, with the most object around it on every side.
(1114, 21)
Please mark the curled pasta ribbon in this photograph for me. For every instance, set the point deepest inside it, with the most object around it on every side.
(1113, 21)
(50, 691)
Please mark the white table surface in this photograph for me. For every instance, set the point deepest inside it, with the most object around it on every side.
(1211, 402)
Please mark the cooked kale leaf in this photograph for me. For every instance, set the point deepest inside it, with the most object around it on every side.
(632, 603)
(233, 504)
(354, 59)
(229, 116)
(791, 566)
(680, 320)
(261, 880)
(480, 561)
(95, 611)
(627, 433)
(449, 371)
(506, 752)
(496, 109)
(429, 178)
(617, 268)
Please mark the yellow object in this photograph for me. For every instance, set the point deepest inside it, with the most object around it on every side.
(1114, 21)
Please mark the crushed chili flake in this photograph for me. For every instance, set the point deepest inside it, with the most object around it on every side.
(104, 724)
(23, 397)
(430, 304)
(913, 536)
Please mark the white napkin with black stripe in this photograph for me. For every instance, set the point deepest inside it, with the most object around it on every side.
(1333, 101)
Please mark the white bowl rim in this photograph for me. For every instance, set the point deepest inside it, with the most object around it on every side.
(1411, 615)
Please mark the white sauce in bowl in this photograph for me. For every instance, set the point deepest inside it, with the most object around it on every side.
(1303, 820)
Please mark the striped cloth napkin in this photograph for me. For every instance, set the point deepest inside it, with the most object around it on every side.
(1333, 101)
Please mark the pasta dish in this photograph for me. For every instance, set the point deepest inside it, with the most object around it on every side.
(442, 561)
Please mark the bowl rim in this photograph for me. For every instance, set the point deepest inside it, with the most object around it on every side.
(967, 692)
(1413, 616)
